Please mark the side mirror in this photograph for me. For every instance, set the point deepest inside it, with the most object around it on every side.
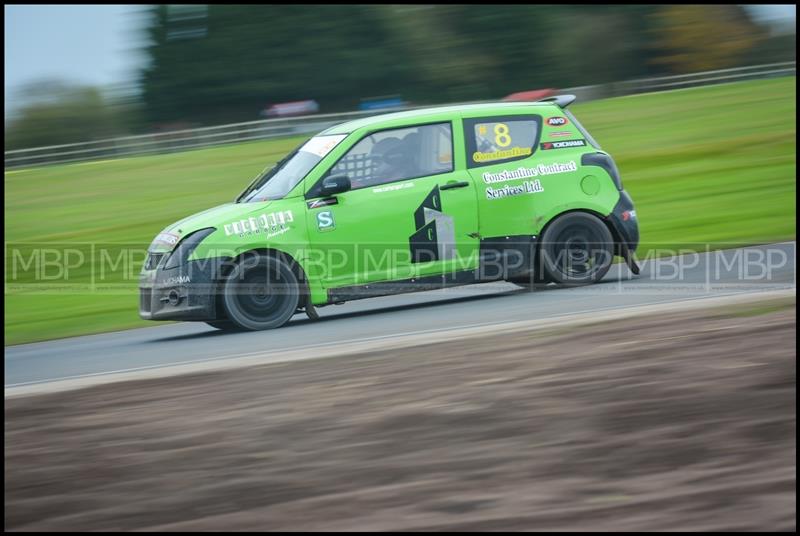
(335, 184)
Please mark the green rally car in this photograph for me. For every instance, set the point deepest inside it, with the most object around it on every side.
(395, 203)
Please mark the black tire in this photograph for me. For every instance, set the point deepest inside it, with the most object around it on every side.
(224, 325)
(536, 280)
(576, 249)
(261, 292)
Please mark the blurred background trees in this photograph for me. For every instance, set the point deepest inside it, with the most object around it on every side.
(213, 64)
(225, 62)
(693, 38)
(56, 112)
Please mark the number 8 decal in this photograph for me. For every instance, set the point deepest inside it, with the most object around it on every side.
(501, 136)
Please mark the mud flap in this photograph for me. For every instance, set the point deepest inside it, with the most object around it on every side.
(630, 260)
(311, 311)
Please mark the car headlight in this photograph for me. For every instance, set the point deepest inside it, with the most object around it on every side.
(186, 246)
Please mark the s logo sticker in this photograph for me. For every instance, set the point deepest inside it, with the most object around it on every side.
(325, 221)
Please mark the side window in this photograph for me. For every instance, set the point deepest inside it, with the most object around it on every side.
(494, 140)
(397, 154)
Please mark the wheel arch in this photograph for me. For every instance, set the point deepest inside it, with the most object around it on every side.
(227, 267)
(539, 263)
(603, 218)
(288, 258)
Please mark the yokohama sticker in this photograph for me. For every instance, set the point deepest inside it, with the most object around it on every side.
(557, 121)
(177, 280)
(566, 144)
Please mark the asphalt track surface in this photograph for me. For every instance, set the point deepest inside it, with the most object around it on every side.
(664, 280)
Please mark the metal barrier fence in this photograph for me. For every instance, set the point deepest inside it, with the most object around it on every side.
(167, 142)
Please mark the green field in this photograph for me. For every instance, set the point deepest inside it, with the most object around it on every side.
(708, 165)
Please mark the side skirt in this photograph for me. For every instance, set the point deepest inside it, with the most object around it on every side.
(501, 258)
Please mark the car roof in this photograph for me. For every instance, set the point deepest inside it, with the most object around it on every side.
(433, 113)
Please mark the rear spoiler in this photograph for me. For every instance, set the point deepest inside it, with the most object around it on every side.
(562, 101)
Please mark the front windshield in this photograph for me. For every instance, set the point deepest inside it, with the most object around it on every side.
(286, 173)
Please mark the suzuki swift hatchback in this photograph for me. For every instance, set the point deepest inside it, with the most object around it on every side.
(395, 203)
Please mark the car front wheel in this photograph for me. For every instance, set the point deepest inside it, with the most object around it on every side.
(261, 292)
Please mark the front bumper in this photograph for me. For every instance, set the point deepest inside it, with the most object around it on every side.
(187, 292)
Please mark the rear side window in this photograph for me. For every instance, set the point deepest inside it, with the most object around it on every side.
(495, 140)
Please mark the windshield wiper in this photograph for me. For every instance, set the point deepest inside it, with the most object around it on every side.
(262, 178)
(240, 197)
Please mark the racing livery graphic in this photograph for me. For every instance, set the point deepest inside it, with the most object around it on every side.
(435, 237)
(336, 218)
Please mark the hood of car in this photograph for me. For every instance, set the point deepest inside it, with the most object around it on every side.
(217, 217)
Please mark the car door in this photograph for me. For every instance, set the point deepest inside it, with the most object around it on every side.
(410, 212)
(502, 159)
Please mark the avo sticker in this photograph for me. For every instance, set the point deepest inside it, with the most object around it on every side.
(557, 121)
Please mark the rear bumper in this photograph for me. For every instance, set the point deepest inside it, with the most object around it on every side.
(187, 292)
(625, 223)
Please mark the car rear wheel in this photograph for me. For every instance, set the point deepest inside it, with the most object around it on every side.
(261, 292)
(576, 249)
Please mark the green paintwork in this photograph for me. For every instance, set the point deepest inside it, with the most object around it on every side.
(372, 224)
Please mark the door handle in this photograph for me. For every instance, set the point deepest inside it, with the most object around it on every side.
(453, 184)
